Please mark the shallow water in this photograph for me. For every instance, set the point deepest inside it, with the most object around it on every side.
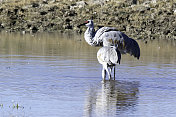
(58, 75)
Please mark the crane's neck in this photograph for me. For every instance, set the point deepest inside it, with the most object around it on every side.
(89, 35)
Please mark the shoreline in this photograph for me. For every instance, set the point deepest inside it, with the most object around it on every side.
(143, 21)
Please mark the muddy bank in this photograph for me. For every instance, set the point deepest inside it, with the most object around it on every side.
(140, 19)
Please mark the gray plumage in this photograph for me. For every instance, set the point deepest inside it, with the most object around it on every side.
(108, 56)
(114, 44)
(110, 36)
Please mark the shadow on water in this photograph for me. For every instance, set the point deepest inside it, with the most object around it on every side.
(111, 98)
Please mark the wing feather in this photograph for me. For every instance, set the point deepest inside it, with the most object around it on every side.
(98, 38)
(109, 36)
(131, 46)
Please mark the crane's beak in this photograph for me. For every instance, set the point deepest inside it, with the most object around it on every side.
(82, 24)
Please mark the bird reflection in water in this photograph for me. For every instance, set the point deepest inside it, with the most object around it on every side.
(111, 98)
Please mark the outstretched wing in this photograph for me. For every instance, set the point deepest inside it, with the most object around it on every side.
(109, 36)
(128, 45)
(132, 47)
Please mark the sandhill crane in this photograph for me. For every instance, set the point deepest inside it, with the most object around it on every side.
(114, 44)
(108, 56)
(110, 36)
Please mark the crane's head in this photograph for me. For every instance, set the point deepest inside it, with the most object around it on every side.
(88, 23)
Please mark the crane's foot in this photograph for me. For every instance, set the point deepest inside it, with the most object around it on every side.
(110, 78)
(103, 81)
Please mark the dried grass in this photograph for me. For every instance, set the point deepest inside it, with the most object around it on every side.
(17, 2)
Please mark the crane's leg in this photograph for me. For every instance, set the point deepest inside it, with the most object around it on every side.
(103, 74)
(111, 68)
(114, 72)
(106, 68)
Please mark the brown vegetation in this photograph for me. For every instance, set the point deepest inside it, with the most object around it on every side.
(140, 19)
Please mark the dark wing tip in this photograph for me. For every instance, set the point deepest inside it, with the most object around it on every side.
(136, 50)
(132, 47)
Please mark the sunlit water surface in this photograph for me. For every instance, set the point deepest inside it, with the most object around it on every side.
(58, 75)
